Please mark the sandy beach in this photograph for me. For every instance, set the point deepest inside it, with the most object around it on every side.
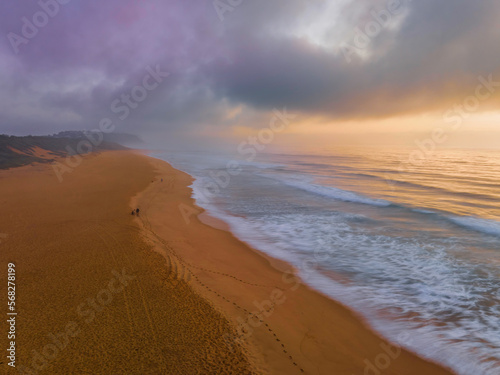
(102, 291)
(287, 327)
(92, 296)
(250, 187)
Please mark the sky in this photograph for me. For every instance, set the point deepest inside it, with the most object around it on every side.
(193, 73)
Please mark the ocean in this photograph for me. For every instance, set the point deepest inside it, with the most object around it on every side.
(409, 241)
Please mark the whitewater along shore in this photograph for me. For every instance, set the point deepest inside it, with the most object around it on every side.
(285, 326)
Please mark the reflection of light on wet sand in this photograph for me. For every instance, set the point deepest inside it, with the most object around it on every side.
(213, 222)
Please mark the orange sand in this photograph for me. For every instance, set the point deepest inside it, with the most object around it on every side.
(34, 151)
(293, 329)
(69, 240)
(73, 241)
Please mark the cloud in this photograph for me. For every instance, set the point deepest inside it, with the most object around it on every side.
(264, 54)
(435, 57)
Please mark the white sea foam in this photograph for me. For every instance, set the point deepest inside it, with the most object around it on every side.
(486, 226)
(329, 191)
(397, 276)
(383, 266)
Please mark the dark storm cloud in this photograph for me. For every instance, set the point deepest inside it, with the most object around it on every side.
(263, 54)
(437, 54)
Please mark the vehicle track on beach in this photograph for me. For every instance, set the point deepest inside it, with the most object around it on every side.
(153, 327)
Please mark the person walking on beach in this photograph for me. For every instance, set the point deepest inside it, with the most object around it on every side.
(137, 211)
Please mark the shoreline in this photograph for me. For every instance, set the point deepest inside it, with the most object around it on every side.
(285, 335)
(92, 295)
